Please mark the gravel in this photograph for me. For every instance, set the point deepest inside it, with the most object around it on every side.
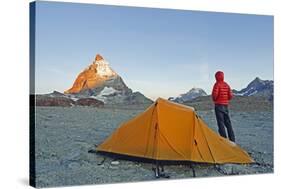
(66, 138)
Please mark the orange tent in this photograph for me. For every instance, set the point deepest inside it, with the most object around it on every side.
(171, 131)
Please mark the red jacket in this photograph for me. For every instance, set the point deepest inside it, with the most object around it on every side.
(221, 91)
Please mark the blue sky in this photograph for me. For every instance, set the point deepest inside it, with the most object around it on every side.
(158, 52)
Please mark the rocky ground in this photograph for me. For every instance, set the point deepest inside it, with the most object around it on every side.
(65, 135)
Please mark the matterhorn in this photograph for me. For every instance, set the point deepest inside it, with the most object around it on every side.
(101, 82)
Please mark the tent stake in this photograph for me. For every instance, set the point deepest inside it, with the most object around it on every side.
(193, 170)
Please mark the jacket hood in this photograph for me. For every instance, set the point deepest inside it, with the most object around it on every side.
(219, 76)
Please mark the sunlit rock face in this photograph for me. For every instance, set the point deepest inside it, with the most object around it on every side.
(93, 76)
(101, 82)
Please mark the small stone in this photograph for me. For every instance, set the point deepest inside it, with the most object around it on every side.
(91, 151)
(115, 163)
(138, 165)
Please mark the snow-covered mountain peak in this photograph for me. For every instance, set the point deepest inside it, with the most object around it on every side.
(196, 90)
(257, 87)
(190, 95)
(101, 82)
(101, 67)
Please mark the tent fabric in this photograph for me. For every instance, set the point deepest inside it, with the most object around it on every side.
(171, 131)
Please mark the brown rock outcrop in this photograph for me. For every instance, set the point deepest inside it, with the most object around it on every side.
(98, 57)
(64, 101)
(53, 101)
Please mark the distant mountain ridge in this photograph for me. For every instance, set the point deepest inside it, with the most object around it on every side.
(99, 82)
(190, 95)
(257, 87)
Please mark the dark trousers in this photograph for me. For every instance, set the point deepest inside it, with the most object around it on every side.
(223, 121)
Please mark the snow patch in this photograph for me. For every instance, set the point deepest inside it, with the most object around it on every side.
(107, 91)
(247, 92)
(103, 68)
(195, 90)
(74, 98)
(239, 94)
(253, 93)
(102, 96)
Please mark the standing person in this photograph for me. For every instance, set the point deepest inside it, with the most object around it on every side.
(221, 95)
